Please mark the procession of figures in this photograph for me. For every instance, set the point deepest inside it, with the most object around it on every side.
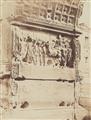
(58, 52)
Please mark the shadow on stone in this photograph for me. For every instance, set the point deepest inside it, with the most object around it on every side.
(87, 117)
(24, 105)
(62, 103)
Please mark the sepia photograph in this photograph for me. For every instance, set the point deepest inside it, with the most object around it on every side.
(45, 60)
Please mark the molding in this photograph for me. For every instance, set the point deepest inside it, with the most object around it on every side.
(46, 27)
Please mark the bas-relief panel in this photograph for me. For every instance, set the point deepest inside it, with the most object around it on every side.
(38, 48)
